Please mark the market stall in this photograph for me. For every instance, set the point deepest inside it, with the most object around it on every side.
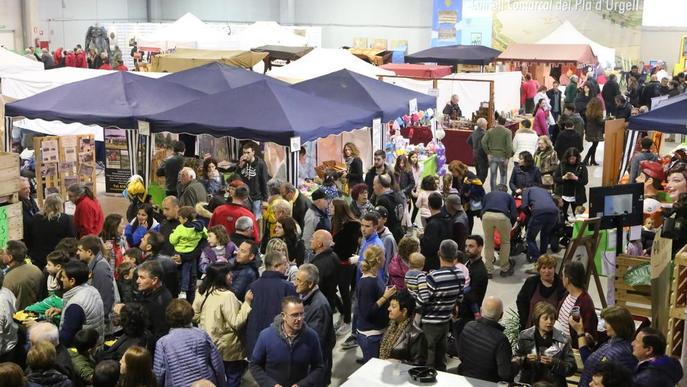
(281, 55)
(322, 61)
(566, 33)
(116, 99)
(186, 32)
(547, 62)
(418, 70)
(455, 55)
(29, 83)
(185, 58)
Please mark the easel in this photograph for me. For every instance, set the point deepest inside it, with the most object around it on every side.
(591, 244)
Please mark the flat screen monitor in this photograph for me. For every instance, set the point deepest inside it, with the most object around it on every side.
(618, 205)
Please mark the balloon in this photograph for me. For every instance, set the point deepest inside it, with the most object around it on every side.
(396, 126)
(430, 112)
(420, 114)
(440, 134)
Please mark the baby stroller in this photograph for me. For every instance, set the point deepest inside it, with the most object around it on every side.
(518, 241)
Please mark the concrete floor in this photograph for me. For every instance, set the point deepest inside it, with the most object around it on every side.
(505, 288)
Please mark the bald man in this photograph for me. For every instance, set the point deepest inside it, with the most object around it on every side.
(327, 263)
(483, 349)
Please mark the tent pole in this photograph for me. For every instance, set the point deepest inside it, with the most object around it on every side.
(8, 134)
(490, 119)
(292, 165)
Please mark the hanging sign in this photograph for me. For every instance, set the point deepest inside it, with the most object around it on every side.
(117, 160)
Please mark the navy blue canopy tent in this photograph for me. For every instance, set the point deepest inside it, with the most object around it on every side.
(263, 111)
(387, 100)
(115, 99)
(669, 117)
(455, 54)
(216, 77)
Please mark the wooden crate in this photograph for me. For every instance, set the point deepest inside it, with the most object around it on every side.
(10, 183)
(15, 221)
(636, 299)
(678, 302)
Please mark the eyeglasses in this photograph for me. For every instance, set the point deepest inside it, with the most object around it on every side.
(296, 316)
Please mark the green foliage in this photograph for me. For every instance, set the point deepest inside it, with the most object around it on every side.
(511, 322)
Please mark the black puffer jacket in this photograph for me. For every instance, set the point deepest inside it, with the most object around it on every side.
(49, 378)
(485, 352)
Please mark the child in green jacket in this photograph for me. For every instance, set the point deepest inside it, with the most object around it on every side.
(84, 342)
(186, 240)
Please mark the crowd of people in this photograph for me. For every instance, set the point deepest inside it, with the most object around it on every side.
(244, 272)
(77, 57)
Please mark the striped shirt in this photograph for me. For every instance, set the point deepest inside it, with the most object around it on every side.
(564, 313)
(444, 287)
(413, 279)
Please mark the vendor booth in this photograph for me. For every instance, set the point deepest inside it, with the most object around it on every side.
(115, 99)
(186, 32)
(376, 56)
(29, 83)
(547, 62)
(321, 61)
(566, 33)
(281, 55)
(455, 55)
(11, 63)
(185, 58)
(418, 70)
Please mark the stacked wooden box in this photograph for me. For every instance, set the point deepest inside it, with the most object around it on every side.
(11, 221)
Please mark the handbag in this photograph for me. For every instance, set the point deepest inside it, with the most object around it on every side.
(547, 180)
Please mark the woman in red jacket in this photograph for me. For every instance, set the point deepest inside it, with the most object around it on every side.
(88, 216)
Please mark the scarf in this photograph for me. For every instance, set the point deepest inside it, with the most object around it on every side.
(390, 337)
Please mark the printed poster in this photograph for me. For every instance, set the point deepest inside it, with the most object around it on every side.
(117, 168)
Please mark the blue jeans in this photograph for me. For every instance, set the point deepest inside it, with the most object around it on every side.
(542, 224)
(234, 371)
(500, 164)
(369, 345)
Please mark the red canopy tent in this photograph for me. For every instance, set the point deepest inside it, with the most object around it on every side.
(418, 70)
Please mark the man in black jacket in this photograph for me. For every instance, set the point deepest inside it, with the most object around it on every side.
(567, 138)
(154, 297)
(392, 200)
(151, 244)
(439, 227)
(610, 91)
(300, 203)
(483, 349)
(254, 173)
(318, 313)
(650, 90)
(171, 167)
(327, 263)
(378, 168)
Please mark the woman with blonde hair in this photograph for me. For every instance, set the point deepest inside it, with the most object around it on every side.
(136, 368)
(594, 129)
(278, 244)
(47, 229)
(354, 164)
(546, 159)
(371, 316)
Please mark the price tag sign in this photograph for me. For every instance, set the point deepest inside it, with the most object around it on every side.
(295, 144)
(377, 134)
(144, 128)
(412, 105)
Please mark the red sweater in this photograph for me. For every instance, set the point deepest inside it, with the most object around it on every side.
(81, 61)
(88, 217)
(105, 66)
(227, 214)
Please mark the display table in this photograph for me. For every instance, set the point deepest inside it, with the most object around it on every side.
(455, 142)
(377, 372)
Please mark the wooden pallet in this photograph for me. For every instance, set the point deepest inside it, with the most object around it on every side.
(636, 299)
(678, 302)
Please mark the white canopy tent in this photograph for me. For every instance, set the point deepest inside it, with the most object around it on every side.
(28, 83)
(322, 61)
(566, 33)
(12, 63)
(471, 94)
(263, 33)
(187, 32)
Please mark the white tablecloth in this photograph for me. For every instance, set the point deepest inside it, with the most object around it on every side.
(377, 372)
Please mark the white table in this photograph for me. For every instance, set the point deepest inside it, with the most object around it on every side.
(377, 373)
